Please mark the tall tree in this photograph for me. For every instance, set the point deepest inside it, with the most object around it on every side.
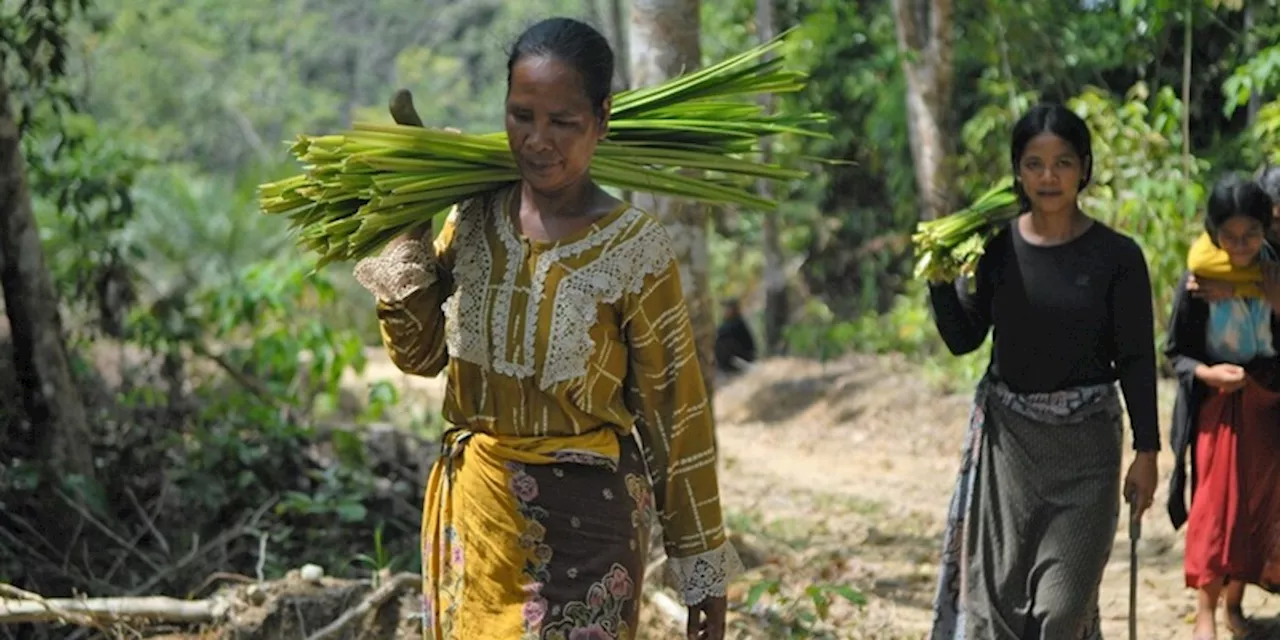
(775, 279)
(50, 397)
(33, 58)
(663, 43)
(617, 34)
(926, 45)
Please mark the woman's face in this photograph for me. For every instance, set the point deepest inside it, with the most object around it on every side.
(551, 127)
(1241, 237)
(1050, 172)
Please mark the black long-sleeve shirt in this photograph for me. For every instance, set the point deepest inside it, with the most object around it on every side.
(1062, 316)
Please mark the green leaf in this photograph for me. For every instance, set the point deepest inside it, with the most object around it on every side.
(88, 492)
(758, 590)
(850, 594)
(351, 512)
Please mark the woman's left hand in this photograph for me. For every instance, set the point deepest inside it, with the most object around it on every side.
(1140, 482)
(1210, 290)
(706, 619)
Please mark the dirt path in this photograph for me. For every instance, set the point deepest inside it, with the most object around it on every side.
(858, 458)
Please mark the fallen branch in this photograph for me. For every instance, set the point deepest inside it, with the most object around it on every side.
(219, 576)
(16, 595)
(371, 602)
(95, 612)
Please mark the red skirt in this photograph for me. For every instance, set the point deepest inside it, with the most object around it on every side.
(1233, 529)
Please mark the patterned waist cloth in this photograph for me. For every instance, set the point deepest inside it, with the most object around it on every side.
(532, 538)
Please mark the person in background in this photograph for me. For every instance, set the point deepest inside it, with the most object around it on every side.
(735, 347)
(1037, 501)
(576, 405)
(1225, 417)
(1212, 276)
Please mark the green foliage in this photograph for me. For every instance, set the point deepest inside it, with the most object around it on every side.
(907, 328)
(1260, 75)
(230, 444)
(798, 616)
(1266, 132)
(229, 360)
(1143, 185)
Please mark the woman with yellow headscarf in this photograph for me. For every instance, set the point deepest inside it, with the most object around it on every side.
(1213, 277)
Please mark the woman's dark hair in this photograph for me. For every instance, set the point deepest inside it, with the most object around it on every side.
(577, 44)
(1233, 196)
(1050, 117)
(1269, 180)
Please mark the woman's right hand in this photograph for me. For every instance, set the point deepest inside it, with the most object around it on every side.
(421, 233)
(1224, 377)
(1210, 290)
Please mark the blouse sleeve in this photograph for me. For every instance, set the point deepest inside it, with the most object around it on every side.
(410, 283)
(1134, 346)
(669, 400)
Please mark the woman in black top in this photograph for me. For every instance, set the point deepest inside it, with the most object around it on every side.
(1068, 301)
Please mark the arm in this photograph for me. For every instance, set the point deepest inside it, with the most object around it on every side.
(1185, 343)
(964, 320)
(1133, 343)
(1185, 348)
(666, 394)
(410, 283)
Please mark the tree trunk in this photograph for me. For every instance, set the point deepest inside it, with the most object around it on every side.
(50, 396)
(664, 44)
(618, 35)
(775, 279)
(1187, 44)
(1250, 50)
(925, 42)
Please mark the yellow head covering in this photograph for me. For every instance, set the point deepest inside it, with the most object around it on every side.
(1207, 260)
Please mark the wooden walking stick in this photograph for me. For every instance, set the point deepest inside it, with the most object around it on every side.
(1135, 533)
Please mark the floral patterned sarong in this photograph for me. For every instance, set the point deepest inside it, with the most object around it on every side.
(535, 538)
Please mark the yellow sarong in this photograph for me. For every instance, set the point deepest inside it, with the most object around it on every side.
(553, 532)
(1206, 260)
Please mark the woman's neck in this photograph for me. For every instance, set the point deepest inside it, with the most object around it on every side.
(1058, 226)
(573, 201)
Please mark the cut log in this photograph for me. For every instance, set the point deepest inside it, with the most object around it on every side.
(109, 610)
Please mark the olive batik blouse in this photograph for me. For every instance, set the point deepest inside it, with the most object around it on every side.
(561, 338)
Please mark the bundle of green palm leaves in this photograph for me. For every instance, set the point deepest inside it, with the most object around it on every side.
(950, 247)
(363, 187)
